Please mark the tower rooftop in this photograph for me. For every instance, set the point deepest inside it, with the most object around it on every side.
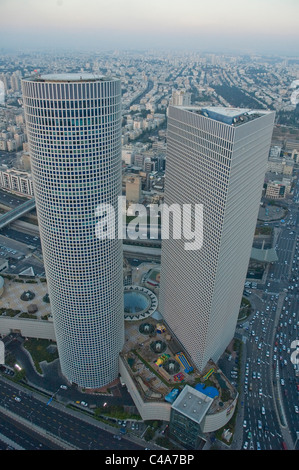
(227, 115)
(69, 77)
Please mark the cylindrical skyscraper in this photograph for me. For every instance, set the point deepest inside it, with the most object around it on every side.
(74, 132)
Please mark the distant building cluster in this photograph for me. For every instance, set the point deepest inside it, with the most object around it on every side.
(280, 172)
(136, 125)
(12, 130)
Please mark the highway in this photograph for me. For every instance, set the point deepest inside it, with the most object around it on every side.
(16, 212)
(270, 395)
(58, 427)
(258, 383)
(21, 437)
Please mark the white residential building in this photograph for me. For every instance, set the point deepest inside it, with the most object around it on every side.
(17, 181)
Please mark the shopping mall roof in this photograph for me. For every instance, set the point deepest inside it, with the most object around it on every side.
(192, 403)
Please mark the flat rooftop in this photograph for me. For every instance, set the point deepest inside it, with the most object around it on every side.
(68, 77)
(227, 115)
(192, 403)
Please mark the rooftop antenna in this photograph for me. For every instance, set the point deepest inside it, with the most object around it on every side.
(55, 67)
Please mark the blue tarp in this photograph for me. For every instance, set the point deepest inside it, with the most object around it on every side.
(211, 392)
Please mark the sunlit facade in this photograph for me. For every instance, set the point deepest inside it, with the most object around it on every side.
(216, 157)
(74, 132)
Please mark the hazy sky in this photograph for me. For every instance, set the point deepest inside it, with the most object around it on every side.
(258, 26)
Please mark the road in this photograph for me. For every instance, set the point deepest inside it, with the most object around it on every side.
(16, 212)
(270, 395)
(21, 437)
(53, 421)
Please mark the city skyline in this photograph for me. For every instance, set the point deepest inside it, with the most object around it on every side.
(259, 367)
(250, 27)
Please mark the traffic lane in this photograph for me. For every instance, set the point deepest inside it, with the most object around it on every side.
(23, 436)
(22, 237)
(289, 387)
(10, 199)
(64, 425)
(287, 373)
(259, 362)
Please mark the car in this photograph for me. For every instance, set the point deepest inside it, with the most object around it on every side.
(258, 446)
(263, 410)
(259, 424)
(282, 381)
(267, 354)
(244, 423)
(296, 409)
(18, 399)
(260, 392)
(83, 403)
(64, 387)
(117, 437)
(245, 446)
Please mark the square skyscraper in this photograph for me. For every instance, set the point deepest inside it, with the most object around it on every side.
(216, 157)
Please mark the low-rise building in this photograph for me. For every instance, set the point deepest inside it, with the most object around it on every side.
(19, 182)
(133, 188)
(275, 190)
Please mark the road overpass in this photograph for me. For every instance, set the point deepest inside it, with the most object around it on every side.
(16, 213)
